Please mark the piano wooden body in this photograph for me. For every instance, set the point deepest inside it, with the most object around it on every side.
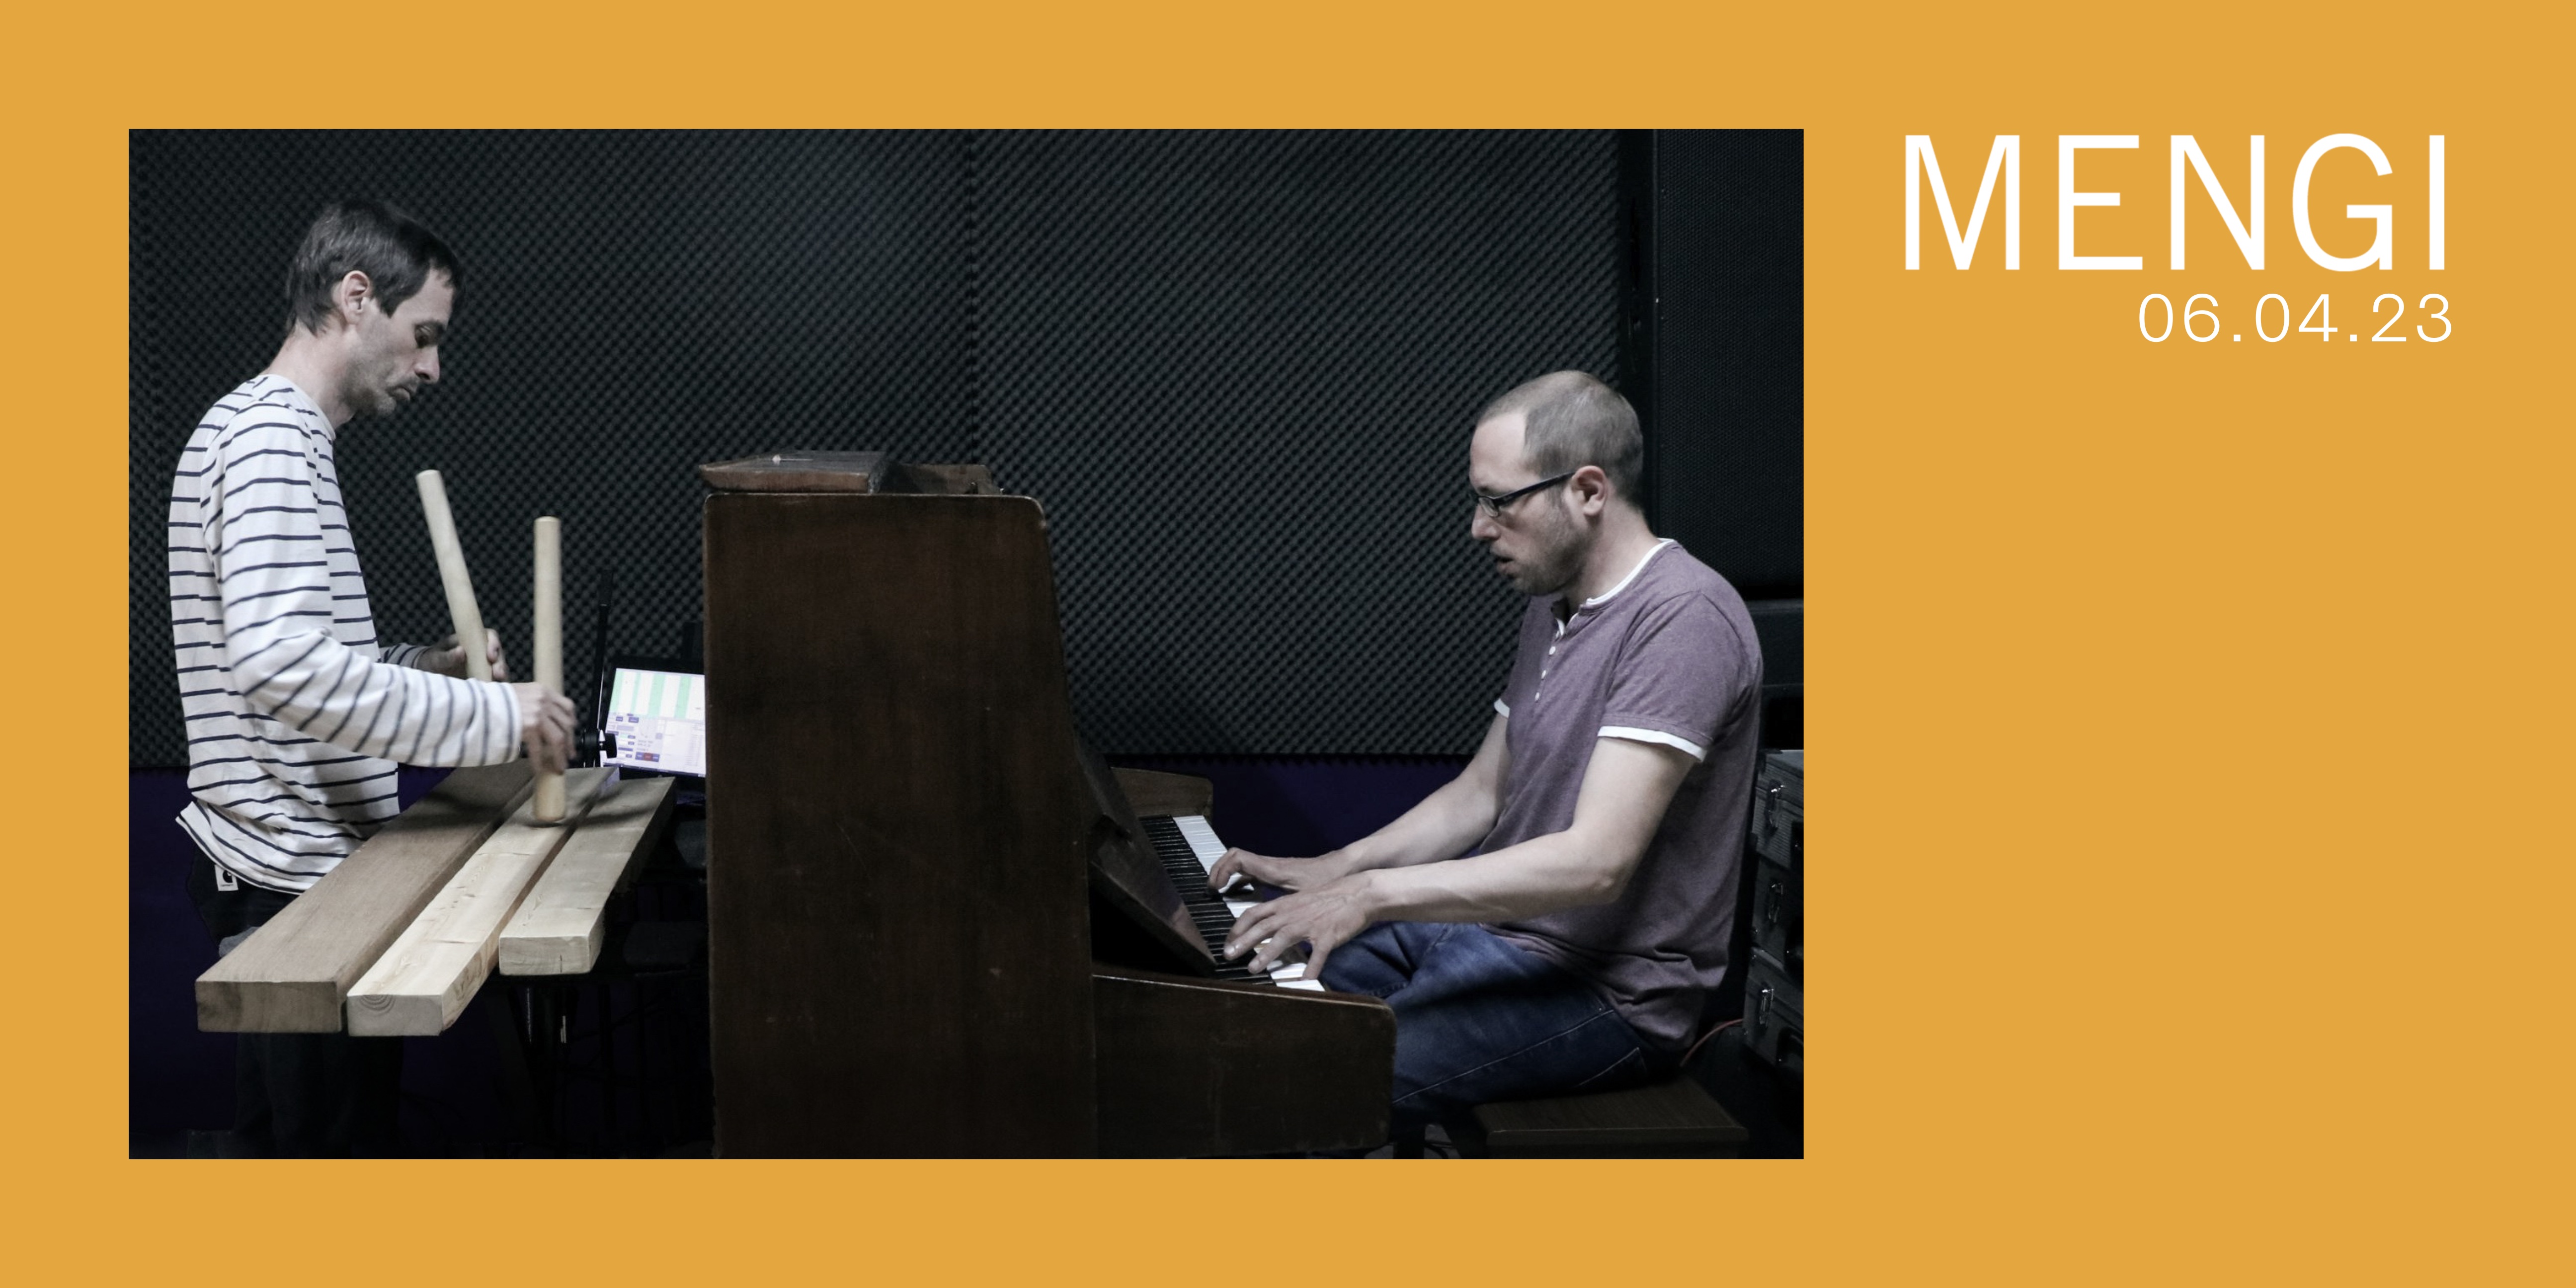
(937, 924)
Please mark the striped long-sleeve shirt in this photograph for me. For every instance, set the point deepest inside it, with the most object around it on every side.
(296, 716)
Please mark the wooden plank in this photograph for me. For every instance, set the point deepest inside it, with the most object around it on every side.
(560, 926)
(1150, 792)
(424, 980)
(291, 976)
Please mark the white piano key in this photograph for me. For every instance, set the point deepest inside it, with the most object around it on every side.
(1207, 848)
(1204, 844)
(1202, 838)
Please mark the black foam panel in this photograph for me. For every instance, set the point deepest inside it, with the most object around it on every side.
(1717, 348)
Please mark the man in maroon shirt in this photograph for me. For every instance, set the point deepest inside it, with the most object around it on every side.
(1552, 919)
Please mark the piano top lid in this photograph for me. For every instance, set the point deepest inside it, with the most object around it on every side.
(801, 472)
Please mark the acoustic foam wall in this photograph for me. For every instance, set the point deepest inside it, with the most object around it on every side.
(1723, 343)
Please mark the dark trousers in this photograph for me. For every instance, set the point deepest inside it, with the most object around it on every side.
(299, 1095)
(1478, 1020)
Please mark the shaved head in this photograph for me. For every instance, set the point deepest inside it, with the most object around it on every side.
(1572, 420)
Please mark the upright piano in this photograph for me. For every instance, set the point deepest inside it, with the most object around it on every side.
(938, 924)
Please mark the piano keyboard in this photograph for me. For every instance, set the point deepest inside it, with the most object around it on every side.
(1188, 850)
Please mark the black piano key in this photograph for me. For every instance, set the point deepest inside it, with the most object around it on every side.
(1215, 921)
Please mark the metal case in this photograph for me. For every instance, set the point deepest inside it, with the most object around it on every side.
(1775, 1017)
(1774, 986)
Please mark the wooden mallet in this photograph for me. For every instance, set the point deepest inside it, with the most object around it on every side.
(548, 805)
(451, 574)
(549, 798)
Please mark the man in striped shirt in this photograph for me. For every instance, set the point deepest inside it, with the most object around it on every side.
(297, 715)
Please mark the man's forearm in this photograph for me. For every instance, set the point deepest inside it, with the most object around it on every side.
(1542, 875)
(1625, 789)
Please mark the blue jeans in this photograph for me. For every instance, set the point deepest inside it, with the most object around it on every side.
(1478, 1020)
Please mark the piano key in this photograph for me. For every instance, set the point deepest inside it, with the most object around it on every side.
(1204, 844)
(1202, 838)
(1188, 848)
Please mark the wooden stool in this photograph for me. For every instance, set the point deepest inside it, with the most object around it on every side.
(1674, 1118)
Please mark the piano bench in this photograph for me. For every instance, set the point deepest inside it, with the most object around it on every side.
(1674, 1118)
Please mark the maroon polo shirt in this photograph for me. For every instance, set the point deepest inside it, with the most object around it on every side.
(1666, 656)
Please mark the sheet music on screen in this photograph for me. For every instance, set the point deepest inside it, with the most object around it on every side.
(660, 719)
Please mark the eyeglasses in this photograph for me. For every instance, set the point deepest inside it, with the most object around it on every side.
(1493, 506)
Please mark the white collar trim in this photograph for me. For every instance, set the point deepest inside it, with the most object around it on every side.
(1604, 596)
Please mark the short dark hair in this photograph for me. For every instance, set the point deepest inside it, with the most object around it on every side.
(1572, 420)
(390, 247)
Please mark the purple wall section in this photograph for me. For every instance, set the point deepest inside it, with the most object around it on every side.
(176, 1077)
(179, 1078)
(1307, 805)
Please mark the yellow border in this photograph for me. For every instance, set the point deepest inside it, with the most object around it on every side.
(2189, 720)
